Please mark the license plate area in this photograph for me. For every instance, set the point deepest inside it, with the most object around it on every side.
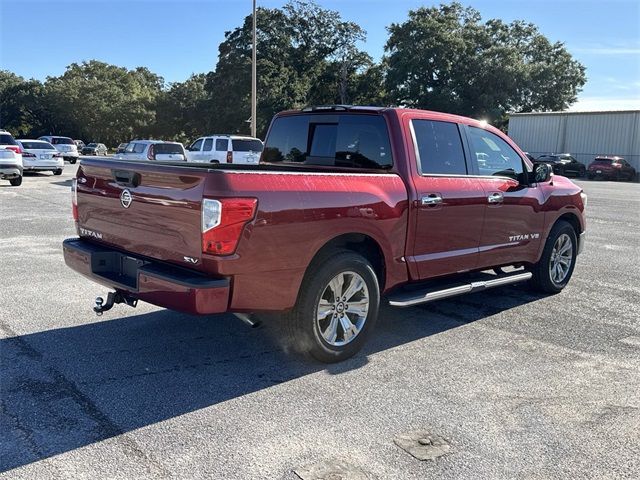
(117, 267)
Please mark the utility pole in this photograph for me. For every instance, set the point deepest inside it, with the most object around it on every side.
(254, 80)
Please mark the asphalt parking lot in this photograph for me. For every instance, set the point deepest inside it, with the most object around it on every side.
(520, 385)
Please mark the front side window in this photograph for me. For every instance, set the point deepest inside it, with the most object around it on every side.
(138, 147)
(345, 140)
(196, 146)
(499, 158)
(439, 148)
(208, 145)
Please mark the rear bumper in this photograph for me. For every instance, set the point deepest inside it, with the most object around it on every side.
(151, 281)
(10, 170)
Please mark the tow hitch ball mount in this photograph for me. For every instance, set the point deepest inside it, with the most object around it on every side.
(112, 299)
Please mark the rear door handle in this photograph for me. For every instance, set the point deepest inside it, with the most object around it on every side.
(431, 199)
(496, 197)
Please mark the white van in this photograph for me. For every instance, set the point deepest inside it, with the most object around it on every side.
(226, 149)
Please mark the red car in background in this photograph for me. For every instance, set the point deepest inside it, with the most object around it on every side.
(612, 168)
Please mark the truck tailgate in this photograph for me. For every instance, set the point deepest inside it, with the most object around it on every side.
(142, 208)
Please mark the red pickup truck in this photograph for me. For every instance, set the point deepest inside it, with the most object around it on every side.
(348, 205)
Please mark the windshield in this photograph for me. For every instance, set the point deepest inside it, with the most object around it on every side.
(246, 145)
(92, 145)
(34, 145)
(62, 141)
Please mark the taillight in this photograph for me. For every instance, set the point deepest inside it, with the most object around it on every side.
(150, 152)
(74, 198)
(229, 157)
(15, 148)
(223, 221)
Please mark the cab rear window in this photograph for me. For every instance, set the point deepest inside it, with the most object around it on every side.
(345, 140)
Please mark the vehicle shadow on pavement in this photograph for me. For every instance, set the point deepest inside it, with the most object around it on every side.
(70, 387)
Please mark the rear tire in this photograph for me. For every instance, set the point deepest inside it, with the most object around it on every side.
(57, 172)
(555, 267)
(16, 182)
(322, 323)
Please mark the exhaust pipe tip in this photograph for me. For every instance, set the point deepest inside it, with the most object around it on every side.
(248, 319)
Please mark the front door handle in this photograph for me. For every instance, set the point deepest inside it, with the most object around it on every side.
(432, 199)
(496, 197)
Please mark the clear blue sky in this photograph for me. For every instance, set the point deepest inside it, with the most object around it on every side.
(175, 38)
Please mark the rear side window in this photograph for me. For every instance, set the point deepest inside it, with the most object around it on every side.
(221, 144)
(493, 155)
(439, 147)
(166, 148)
(62, 141)
(239, 145)
(346, 140)
(6, 139)
(208, 145)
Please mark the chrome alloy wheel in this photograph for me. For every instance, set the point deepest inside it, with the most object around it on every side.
(342, 309)
(561, 258)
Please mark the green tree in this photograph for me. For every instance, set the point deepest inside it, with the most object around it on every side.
(181, 109)
(445, 58)
(306, 55)
(96, 101)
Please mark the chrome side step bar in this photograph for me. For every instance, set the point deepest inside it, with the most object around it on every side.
(408, 300)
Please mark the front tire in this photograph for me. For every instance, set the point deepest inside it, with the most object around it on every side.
(555, 267)
(16, 182)
(57, 172)
(72, 161)
(337, 307)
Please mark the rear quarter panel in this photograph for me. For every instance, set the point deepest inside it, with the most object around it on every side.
(298, 213)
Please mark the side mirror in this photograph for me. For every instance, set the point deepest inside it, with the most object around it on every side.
(541, 173)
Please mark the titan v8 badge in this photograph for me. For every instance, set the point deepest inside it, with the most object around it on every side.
(526, 236)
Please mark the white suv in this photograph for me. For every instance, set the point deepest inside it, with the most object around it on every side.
(153, 150)
(225, 149)
(10, 159)
(65, 145)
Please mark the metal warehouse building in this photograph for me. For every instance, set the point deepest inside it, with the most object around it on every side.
(583, 134)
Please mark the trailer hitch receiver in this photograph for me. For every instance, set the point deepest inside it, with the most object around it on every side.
(113, 298)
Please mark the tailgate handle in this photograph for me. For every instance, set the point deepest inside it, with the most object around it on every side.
(127, 178)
